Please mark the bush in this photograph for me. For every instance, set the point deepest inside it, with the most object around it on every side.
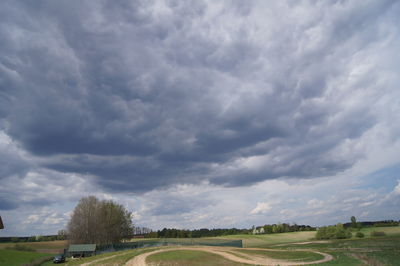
(333, 232)
(359, 235)
(378, 233)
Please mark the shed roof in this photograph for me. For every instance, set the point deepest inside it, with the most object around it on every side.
(82, 248)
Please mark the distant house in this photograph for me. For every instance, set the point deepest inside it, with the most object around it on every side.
(258, 230)
(83, 250)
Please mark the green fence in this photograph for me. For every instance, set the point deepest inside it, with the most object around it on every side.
(168, 242)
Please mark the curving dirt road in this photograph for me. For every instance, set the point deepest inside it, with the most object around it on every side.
(225, 252)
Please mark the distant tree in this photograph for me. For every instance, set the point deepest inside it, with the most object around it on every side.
(99, 222)
(353, 222)
(62, 235)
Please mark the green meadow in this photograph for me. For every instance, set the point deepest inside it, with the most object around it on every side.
(381, 250)
(266, 240)
(9, 257)
(189, 258)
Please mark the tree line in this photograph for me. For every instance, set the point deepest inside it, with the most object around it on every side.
(383, 223)
(281, 228)
(204, 232)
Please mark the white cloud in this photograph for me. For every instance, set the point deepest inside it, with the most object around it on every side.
(315, 203)
(397, 188)
(261, 208)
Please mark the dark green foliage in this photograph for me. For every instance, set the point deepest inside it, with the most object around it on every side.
(378, 233)
(285, 228)
(383, 223)
(386, 223)
(353, 221)
(333, 232)
(359, 235)
(204, 232)
(178, 233)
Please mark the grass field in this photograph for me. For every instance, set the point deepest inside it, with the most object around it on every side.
(285, 255)
(189, 257)
(250, 241)
(14, 257)
(393, 230)
(383, 250)
(45, 245)
(369, 250)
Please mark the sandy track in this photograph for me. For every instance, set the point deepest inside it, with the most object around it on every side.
(99, 260)
(140, 260)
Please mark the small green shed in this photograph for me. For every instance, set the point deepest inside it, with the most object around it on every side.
(82, 250)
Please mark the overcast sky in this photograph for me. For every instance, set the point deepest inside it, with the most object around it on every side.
(198, 114)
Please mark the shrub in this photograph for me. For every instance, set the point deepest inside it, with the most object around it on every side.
(333, 232)
(377, 233)
(359, 235)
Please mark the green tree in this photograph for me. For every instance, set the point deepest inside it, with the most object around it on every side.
(99, 222)
(353, 222)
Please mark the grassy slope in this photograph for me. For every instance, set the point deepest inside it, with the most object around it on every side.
(189, 257)
(394, 230)
(285, 255)
(380, 249)
(15, 257)
(270, 239)
(58, 244)
(372, 250)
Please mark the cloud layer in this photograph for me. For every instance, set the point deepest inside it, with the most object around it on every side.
(136, 96)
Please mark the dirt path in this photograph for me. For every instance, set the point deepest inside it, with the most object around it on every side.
(96, 261)
(140, 260)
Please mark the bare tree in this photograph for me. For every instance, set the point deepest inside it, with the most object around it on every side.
(99, 222)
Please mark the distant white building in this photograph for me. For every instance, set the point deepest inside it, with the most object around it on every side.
(258, 230)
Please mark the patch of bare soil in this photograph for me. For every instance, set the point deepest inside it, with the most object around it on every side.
(99, 260)
(228, 253)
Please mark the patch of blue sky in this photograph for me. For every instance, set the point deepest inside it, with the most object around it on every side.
(384, 179)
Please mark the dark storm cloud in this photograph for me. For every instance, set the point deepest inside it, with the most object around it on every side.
(145, 95)
(6, 204)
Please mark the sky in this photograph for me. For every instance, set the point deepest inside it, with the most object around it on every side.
(199, 114)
